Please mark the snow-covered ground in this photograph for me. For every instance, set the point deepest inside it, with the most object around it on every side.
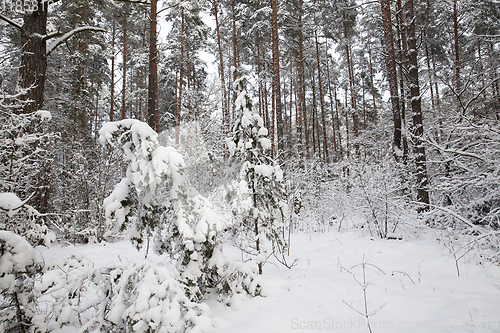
(411, 286)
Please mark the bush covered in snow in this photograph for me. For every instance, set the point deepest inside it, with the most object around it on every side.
(19, 217)
(20, 266)
(156, 202)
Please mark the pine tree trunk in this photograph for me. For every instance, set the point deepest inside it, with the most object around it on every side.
(112, 88)
(314, 113)
(337, 119)
(34, 57)
(403, 68)
(225, 110)
(321, 99)
(181, 80)
(153, 116)
(375, 114)
(276, 78)
(390, 64)
(301, 111)
(350, 69)
(235, 54)
(335, 156)
(458, 84)
(417, 128)
(429, 69)
(124, 73)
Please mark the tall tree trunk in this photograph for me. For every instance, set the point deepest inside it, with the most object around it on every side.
(403, 68)
(314, 117)
(321, 99)
(153, 116)
(225, 109)
(481, 67)
(458, 84)
(124, 73)
(300, 89)
(337, 119)
(141, 79)
(417, 128)
(34, 56)
(112, 88)
(350, 69)
(494, 75)
(181, 79)
(266, 107)
(429, 69)
(335, 152)
(436, 86)
(189, 87)
(390, 64)
(375, 114)
(259, 80)
(235, 54)
(276, 77)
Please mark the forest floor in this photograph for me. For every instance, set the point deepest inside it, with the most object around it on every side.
(410, 286)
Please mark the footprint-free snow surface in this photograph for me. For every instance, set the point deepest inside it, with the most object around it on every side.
(408, 285)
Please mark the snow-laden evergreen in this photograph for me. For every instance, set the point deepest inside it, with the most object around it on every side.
(155, 202)
(159, 203)
(20, 266)
(258, 195)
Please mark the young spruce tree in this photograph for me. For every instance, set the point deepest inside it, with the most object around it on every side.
(258, 194)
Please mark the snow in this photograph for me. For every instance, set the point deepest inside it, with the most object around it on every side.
(10, 202)
(17, 259)
(412, 287)
(44, 115)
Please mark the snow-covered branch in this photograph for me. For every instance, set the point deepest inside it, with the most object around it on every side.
(454, 151)
(59, 40)
(136, 1)
(11, 22)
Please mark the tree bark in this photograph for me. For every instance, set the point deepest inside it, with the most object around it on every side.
(124, 72)
(417, 128)
(403, 68)
(181, 79)
(34, 57)
(276, 77)
(300, 89)
(390, 64)
(112, 88)
(350, 69)
(321, 99)
(235, 54)
(153, 116)
(458, 84)
(375, 114)
(225, 110)
(335, 156)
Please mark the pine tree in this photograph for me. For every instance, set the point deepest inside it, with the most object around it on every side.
(258, 194)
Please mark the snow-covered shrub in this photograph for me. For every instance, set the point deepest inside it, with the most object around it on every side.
(74, 292)
(236, 278)
(149, 299)
(20, 266)
(19, 217)
(381, 195)
(24, 167)
(466, 183)
(156, 202)
(25, 143)
(258, 195)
